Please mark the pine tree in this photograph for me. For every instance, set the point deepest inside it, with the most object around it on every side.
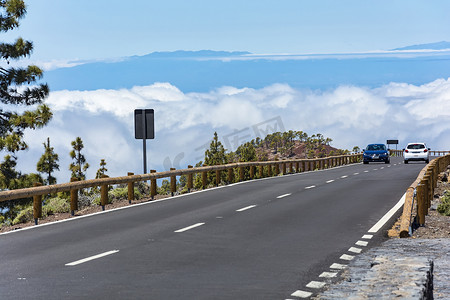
(79, 166)
(17, 85)
(48, 163)
(8, 173)
(102, 170)
(215, 155)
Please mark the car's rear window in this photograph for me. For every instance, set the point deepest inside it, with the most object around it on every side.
(416, 146)
(376, 147)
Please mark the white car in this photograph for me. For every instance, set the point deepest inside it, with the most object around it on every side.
(416, 151)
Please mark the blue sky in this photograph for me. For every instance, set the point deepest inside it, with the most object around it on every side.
(86, 29)
(354, 99)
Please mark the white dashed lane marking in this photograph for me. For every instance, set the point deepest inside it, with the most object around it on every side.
(338, 266)
(315, 285)
(301, 294)
(367, 236)
(328, 274)
(330, 181)
(189, 227)
(92, 258)
(362, 243)
(354, 250)
(366, 171)
(310, 187)
(346, 257)
(285, 195)
(356, 173)
(345, 176)
(245, 208)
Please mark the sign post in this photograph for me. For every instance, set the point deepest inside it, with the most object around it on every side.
(392, 142)
(144, 128)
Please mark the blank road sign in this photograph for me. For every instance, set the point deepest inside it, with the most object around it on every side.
(140, 127)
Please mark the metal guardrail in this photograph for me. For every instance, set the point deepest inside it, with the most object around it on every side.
(272, 167)
(422, 191)
(432, 152)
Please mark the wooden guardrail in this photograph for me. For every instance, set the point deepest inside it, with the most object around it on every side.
(272, 167)
(420, 193)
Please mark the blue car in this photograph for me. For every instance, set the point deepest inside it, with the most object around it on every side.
(376, 152)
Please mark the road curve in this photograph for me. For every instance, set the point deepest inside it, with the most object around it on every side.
(277, 238)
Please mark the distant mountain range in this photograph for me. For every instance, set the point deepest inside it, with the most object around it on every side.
(432, 46)
(203, 71)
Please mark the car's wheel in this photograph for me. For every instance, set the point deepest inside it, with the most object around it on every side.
(427, 161)
(406, 161)
(387, 161)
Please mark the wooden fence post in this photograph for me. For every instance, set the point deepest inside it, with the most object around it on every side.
(420, 204)
(73, 198)
(204, 179)
(37, 205)
(153, 186)
(269, 170)
(104, 193)
(173, 183)
(217, 177)
(230, 175)
(241, 173)
(297, 166)
(261, 171)
(252, 172)
(130, 189)
(190, 183)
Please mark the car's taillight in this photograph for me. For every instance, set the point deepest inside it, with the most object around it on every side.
(406, 150)
(425, 150)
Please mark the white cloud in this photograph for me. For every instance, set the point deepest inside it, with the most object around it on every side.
(185, 122)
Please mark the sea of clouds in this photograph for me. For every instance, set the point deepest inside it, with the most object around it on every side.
(185, 122)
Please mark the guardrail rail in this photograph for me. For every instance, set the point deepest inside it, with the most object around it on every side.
(273, 168)
(420, 193)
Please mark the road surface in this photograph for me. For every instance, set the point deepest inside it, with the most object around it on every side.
(277, 238)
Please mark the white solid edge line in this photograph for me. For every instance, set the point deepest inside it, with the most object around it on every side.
(285, 195)
(91, 258)
(388, 215)
(245, 208)
(189, 227)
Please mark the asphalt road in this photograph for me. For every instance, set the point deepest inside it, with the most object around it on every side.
(266, 239)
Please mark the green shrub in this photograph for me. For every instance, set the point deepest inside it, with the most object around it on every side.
(118, 194)
(444, 206)
(25, 215)
(56, 205)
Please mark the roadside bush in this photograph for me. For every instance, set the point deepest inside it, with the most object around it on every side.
(444, 206)
(117, 195)
(25, 215)
(122, 193)
(56, 205)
